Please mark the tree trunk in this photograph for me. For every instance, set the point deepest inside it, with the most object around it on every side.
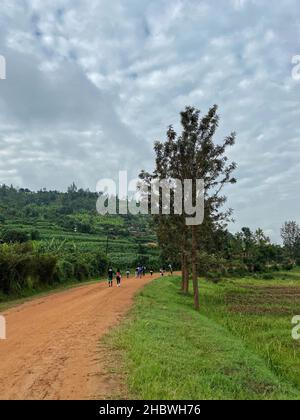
(186, 276)
(182, 272)
(194, 268)
(185, 280)
(185, 273)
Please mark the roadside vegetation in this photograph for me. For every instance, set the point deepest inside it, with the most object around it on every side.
(238, 347)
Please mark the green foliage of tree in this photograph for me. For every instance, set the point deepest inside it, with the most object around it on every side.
(194, 155)
(290, 234)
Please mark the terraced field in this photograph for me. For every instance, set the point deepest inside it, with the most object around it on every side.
(122, 241)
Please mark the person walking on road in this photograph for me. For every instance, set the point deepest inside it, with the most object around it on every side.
(127, 274)
(119, 278)
(110, 277)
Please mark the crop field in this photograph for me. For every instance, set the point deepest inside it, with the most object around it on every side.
(121, 247)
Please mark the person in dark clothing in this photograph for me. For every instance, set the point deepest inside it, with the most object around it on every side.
(110, 277)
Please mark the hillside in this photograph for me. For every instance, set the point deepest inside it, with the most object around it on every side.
(50, 238)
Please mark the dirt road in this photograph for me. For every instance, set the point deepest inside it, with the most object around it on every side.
(52, 347)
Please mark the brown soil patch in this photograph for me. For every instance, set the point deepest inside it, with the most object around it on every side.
(259, 310)
(259, 300)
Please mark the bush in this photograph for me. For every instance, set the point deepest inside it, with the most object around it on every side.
(84, 228)
(45, 268)
(210, 264)
(214, 277)
(15, 236)
(15, 267)
(81, 271)
(267, 276)
(64, 271)
(287, 266)
(35, 235)
(23, 267)
(258, 267)
(238, 269)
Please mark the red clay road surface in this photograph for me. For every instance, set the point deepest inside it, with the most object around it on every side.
(52, 346)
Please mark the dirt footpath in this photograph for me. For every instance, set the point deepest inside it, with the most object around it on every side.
(52, 348)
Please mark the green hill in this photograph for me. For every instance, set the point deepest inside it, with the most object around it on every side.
(52, 237)
(71, 217)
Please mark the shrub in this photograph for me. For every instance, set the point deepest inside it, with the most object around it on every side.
(209, 263)
(64, 271)
(214, 277)
(84, 228)
(267, 276)
(45, 268)
(15, 267)
(81, 270)
(14, 236)
(287, 266)
(23, 266)
(238, 269)
(258, 267)
(35, 235)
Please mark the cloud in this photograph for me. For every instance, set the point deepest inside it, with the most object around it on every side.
(90, 86)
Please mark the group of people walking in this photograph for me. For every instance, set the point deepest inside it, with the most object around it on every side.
(140, 272)
(111, 277)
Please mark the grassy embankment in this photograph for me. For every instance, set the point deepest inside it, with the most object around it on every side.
(238, 347)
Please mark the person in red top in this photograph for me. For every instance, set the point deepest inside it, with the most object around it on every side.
(119, 278)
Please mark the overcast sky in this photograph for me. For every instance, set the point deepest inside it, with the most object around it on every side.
(91, 84)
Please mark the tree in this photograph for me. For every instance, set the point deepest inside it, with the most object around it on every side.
(290, 234)
(260, 238)
(72, 188)
(207, 161)
(194, 155)
(171, 231)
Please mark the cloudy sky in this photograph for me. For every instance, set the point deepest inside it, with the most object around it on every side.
(91, 84)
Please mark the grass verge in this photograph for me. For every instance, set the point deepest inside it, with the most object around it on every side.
(168, 351)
